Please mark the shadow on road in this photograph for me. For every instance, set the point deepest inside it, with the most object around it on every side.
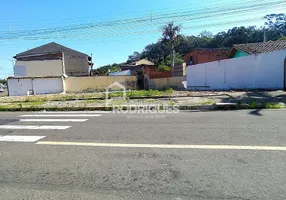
(256, 112)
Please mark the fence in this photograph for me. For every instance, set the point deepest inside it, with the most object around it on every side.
(166, 83)
(179, 70)
(97, 83)
(40, 85)
(263, 71)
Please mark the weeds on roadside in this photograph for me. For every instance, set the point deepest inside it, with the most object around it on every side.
(273, 105)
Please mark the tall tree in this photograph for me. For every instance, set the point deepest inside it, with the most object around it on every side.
(276, 25)
(134, 57)
(170, 34)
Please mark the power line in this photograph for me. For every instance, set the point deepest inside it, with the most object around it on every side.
(164, 15)
(105, 27)
(182, 8)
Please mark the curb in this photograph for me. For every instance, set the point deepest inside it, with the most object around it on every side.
(214, 107)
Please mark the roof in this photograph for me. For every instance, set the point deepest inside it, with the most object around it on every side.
(262, 47)
(211, 49)
(49, 48)
(142, 62)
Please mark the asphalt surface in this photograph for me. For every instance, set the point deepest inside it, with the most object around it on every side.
(29, 170)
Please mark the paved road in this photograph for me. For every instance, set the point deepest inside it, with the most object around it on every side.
(195, 155)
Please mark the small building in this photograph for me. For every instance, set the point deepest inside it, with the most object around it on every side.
(240, 50)
(199, 56)
(137, 67)
(52, 59)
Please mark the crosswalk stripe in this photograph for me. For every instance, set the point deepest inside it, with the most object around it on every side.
(20, 138)
(74, 112)
(33, 127)
(63, 115)
(53, 120)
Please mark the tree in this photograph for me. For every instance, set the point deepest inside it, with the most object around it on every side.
(107, 68)
(170, 34)
(134, 57)
(276, 25)
(3, 81)
(206, 34)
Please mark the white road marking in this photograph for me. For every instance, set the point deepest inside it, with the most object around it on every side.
(62, 115)
(166, 146)
(74, 112)
(17, 138)
(34, 127)
(53, 120)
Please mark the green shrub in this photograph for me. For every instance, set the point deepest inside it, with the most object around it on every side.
(272, 105)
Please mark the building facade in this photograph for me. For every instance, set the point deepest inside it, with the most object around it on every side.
(199, 56)
(52, 60)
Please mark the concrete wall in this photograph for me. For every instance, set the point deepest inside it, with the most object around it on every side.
(76, 65)
(97, 83)
(263, 71)
(20, 86)
(166, 83)
(38, 68)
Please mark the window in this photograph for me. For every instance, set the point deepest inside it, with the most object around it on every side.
(191, 60)
(218, 57)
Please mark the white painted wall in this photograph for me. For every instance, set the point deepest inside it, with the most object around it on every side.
(48, 85)
(19, 87)
(38, 68)
(263, 71)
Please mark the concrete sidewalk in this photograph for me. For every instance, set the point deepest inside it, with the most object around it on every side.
(185, 100)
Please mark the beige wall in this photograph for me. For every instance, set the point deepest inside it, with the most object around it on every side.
(40, 68)
(97, 83)
(76, 65)
(166, 83)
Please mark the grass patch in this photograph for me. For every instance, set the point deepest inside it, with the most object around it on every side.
(53, 97)
(208, 102)
(21, 105)
(91, 101)
(142, 93)
(273, 105)
(253, 105)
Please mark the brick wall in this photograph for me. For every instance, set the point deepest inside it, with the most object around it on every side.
(153, 73)
(207, 55)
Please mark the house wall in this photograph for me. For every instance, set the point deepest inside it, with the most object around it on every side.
(263, 71)
(204, 56)
(166, 83)
(153, 73)
(76, 65)
(20, 86)
(97, 83)
(38, 68)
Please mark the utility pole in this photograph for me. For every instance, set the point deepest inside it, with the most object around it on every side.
(264, 36)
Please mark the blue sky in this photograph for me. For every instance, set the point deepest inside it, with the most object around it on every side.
(115, 45)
